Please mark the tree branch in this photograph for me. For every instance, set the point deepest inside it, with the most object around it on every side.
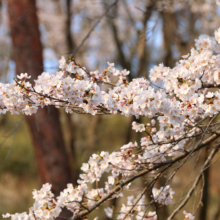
(212, 154)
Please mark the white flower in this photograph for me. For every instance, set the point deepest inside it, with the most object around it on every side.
(188, 216)
(109, 212)
(209, 95)
(185, 56)
(111, 67)
(217, 32)
(23, 76)
(153, 122)
(85, 167)
(138, 127)
(72, 68)
(125, 72)
(6, 215)
(62, 63)
(111, 180)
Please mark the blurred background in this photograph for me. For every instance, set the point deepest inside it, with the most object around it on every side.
(134, 34)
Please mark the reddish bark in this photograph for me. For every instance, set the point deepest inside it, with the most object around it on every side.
(51, 156)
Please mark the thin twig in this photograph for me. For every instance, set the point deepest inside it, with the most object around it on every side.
(212, 154)
(93, 27)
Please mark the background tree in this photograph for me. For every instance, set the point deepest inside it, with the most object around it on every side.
(50, 152)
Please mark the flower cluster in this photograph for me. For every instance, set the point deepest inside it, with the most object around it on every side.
(164, 195)
(138, 209)
(45, 207)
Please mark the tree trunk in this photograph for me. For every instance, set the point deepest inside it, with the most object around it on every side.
(51, 157)
(205, 196)
(169, 35)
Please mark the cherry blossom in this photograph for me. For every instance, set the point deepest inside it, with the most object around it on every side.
(188, 216)
(179, 106)
(164, 195)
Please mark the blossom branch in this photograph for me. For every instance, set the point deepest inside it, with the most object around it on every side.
(212, 154)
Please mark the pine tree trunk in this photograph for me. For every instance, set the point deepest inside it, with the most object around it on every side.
(51, 157)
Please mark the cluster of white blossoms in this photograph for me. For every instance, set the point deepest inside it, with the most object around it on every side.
(189, 93)
(45, 207)
(164, 195)
(137, 207)
(98, 164)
